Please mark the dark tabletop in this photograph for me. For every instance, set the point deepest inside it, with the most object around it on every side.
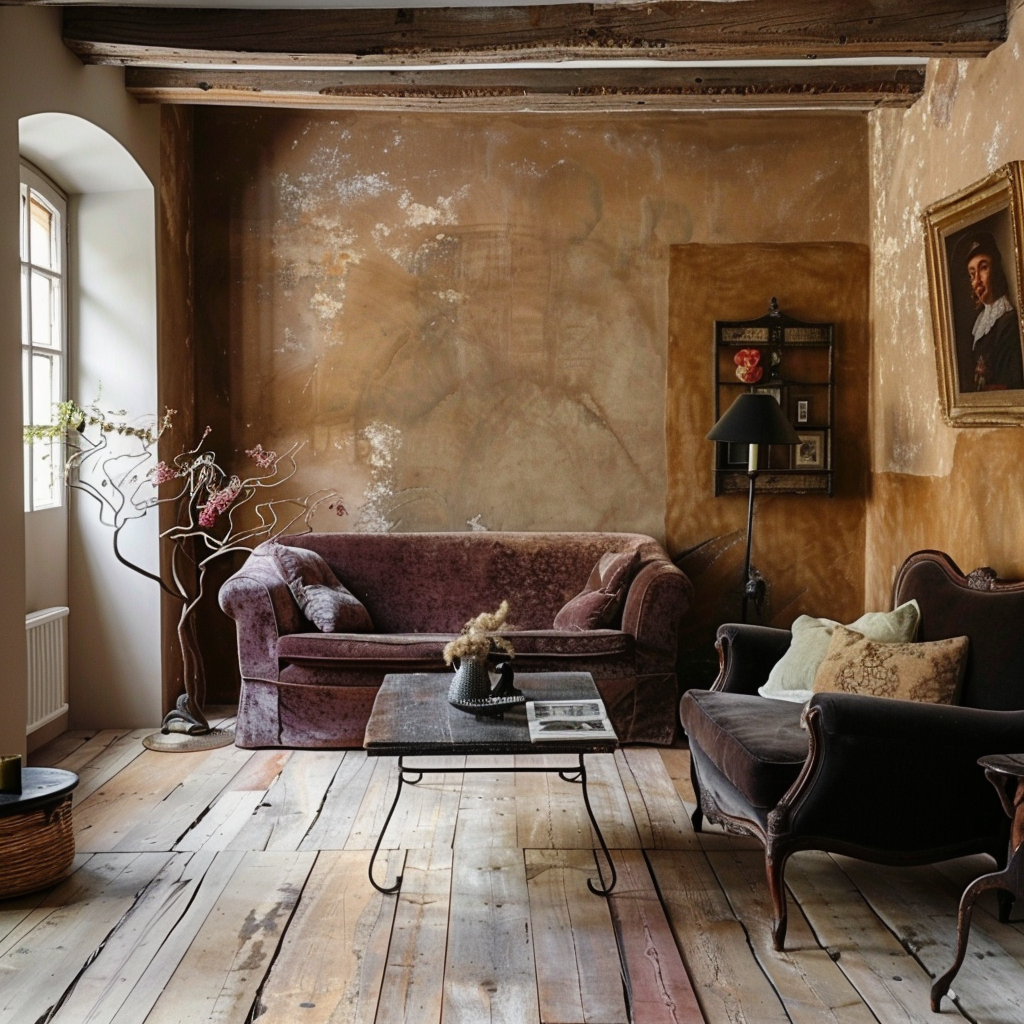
(411, 716)
(39, 787)
(1004, 764)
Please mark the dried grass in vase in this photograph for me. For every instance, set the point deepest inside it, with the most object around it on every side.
(478, 639)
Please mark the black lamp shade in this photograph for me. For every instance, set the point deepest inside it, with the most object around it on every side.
(754, 419)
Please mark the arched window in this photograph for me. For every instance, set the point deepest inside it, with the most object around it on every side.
(43, 331)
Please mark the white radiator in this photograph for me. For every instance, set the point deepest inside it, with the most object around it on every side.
(47, 637)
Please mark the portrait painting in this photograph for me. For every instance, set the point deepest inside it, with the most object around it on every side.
(973, 243)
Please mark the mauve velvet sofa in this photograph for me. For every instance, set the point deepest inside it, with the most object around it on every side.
(304, 688)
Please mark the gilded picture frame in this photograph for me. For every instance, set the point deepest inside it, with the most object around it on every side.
(973, 241)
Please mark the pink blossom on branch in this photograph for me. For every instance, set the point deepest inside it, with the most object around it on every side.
(265, 460)
(161, 473)
(218, 503)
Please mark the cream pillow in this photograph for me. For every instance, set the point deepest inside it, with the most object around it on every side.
(792, 677)
(929, 672)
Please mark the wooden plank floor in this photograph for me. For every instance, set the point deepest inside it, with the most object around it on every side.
(230, 886)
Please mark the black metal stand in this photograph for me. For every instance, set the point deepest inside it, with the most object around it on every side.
(576, 775)
(752, 476)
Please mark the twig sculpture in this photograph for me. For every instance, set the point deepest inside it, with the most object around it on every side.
(216, 514)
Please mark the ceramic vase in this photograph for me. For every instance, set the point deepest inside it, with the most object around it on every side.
(472, 681)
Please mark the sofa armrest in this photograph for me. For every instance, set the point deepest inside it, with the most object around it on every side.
(258, 599)
(746, 654)
(656, 601)
(899, 776)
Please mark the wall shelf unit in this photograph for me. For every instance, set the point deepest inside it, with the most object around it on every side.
(792, 360)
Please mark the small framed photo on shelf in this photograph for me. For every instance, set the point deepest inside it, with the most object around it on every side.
(802, 409)
(810, 452)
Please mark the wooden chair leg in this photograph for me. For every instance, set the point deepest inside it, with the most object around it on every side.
(1004, 903)
(996, 880)
(697, 818)
(775, 866)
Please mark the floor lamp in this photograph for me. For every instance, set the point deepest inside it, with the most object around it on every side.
(753, 420)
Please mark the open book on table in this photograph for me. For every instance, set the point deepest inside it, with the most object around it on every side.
(568, 720)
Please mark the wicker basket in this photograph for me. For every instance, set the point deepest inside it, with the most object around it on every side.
(37, 848)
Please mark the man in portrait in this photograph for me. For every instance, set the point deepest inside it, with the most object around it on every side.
(991, 356)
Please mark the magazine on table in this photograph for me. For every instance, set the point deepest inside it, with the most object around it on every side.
(568, 720)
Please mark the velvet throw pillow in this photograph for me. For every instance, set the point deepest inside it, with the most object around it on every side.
(929, 672)
(329, 605)
(598, 603)
(792, 676)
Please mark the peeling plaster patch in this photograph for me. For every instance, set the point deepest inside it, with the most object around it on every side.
(362, 186)
(442, 212)
(994, 147)
(289, 344)
(529, 168)
(451, 295)
(326, 308)
(383, 442)
(296, 195)
(475, 524)
(341, 234)
(417, 215)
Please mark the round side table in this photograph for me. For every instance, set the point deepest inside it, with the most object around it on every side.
(1006, 773)
(37, 839)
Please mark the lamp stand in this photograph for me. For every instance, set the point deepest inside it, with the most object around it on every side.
(752, 456)
(751, 476)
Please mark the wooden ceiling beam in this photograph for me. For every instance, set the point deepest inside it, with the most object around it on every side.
(540, 90)
(670, 30)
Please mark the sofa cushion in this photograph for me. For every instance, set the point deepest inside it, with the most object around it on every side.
(757, 744)
(598, 603)
(428, 646)
(931, 672)
(326, 602)
(792, 677)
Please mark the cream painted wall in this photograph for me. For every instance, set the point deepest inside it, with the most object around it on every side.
(957, 489)
(114, 627)
(37, 73)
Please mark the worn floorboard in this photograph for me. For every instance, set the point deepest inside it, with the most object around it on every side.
(231, 886)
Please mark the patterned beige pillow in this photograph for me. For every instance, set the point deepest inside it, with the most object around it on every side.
(929, 672)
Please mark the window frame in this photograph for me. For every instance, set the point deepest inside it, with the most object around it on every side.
(33, 181)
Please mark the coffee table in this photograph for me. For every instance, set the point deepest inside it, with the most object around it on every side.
(411, 717)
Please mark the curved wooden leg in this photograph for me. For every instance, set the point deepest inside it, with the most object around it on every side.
(697, 818)
(1004, 903)
(996, 880)
(775, 866)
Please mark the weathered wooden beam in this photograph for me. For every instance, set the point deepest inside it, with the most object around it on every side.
(522, 90)
(672, 30)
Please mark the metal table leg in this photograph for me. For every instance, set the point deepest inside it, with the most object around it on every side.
(602, 889)
(394, 803)
(577, 776)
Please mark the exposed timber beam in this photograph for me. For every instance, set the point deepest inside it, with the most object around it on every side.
(539, 90)
(672, 30)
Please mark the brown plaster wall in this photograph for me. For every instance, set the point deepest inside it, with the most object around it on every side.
(810, 548)
(956, 489)
(465, 317)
